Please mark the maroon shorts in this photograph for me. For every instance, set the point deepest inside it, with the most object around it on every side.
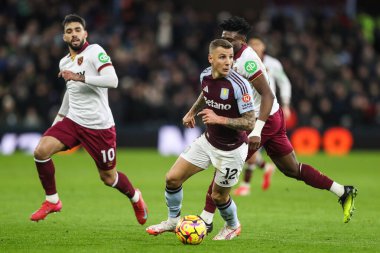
(273, 136)
(99, 143)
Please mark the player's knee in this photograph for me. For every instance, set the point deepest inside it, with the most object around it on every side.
(41, 153)
(107, 179)
(172, 182)
(291, 171)
(219, 198)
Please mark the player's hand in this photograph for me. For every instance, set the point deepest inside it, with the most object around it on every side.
(70, 76)
(254, 142)
(209, 117)
(188, 121)
(287, 112)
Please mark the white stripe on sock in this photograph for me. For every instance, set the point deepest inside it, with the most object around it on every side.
(338, 189)
(42, 161)
(52, 198)
(116, 180)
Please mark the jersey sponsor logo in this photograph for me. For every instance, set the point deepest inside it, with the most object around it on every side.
(224, 93)
(246, 98)
(103, 57)
(217, 105)
(247, 106)
(250, 66)
(80, 60)
(205, 89)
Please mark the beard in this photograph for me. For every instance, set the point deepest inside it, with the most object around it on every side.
(75, 48)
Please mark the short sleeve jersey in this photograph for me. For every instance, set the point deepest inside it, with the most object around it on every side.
(248, 64)
(230, 97)
(88, 105)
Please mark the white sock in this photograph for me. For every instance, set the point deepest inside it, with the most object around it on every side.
(52, 198)
(251, 167)
(174, 220)
(207, 216)
(135, 197)
(267, 167)
(337, 189)
(245, 184)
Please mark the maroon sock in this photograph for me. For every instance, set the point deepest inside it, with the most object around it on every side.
(209, 204)
(124, 185)
(247, 175)
(46, 173)
(314, 178)
(261, 165)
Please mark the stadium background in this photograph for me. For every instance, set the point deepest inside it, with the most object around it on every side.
(329, 50)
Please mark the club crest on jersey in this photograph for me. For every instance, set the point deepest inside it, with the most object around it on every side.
(246, 98)
(80, 60)
(224, 93)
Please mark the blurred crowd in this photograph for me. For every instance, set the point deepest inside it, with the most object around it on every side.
(159, 48)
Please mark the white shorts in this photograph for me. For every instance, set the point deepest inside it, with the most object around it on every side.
(228, 164)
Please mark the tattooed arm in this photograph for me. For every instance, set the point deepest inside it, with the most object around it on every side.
(188, 120)
(244, 123)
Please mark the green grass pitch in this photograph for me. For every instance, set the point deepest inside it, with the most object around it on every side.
(289, 217)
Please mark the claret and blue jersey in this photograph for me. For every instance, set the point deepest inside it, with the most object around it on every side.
(230, 97)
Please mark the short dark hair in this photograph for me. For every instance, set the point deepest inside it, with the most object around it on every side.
(74, 18)
(219, 43)
(236, 24)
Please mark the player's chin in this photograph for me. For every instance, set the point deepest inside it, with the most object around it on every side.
(75, 46)
(225, 72)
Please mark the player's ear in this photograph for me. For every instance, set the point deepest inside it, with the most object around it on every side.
(210, 58)
(85, 34)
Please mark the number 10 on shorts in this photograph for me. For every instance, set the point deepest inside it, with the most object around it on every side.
(109, 155)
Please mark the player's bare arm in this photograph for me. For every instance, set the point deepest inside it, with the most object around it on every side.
(262, 87)
(71, 76)
(188, 120)
(244, 123)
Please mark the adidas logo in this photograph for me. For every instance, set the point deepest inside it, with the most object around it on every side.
(205, 89)
(225, 182)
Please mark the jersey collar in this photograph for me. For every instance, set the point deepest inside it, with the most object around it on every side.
(85, 45)
(238, 53)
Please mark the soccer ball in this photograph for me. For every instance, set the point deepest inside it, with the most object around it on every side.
(191, 229)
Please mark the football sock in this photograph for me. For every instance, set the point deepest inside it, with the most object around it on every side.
(259, 161)
(314, 177)
(46, 173)
(174, 201)
(337, 189)
(228, 211)
(52, 198)
(123, 184)
(135, 197)
(209, 203)
(248, 173)
(207, 216)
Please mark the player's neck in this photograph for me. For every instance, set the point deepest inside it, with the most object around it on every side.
(216, 75)
(73, 53)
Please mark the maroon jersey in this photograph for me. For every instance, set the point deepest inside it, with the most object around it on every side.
(230, 97)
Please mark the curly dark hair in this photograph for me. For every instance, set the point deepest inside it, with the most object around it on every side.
(236, 24)
(74, 18)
